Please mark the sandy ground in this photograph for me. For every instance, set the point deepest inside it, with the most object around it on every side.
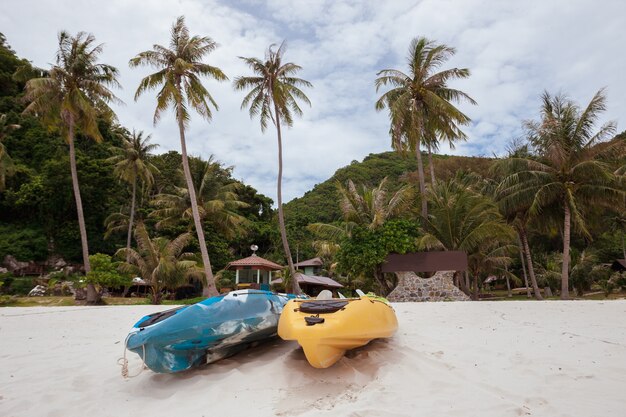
(447, 359)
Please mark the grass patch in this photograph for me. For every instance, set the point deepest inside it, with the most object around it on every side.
(13, 301)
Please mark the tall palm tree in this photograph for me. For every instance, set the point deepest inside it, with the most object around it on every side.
(517, 214)
(72, 96)
(421, 103)
(568, 171)
(132, 164)
(274, 94)
(218, 202)
(160, 262)
(462, 219)
(6, 163)
(179, 70)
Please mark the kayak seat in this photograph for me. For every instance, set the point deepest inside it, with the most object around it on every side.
(157, 317)
(324, 295)
(322, 306)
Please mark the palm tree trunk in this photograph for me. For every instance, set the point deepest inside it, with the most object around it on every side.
(92, 295)
(420, 172)
(566, 242)
(475, 285)
(463, 284)
(508, 283)
(209, 289)
(131, 219)
(431, 166)
(529, 263)
(281, 215)
(380, 278)
(521, 256)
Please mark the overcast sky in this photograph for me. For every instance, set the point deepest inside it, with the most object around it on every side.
(514, 49)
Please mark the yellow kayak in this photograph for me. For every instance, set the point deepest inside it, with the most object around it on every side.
(327, 328)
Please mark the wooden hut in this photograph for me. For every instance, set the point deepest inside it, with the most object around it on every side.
(253, 272)
(312, 285)
(310, 266)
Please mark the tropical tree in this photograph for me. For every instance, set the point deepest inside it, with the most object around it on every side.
(421, 103)
(73, 95)
(132, 164)
(567, 172)
(179, 70)
(273, 94)
(372, 207)
(217, 200)
(6, 163)
(493, 258)
(160, 262)
(463, 219)
(517, 215)
(363, 254)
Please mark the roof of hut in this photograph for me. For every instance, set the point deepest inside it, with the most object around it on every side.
(255, 262)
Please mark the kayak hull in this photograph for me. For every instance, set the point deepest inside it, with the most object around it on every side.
(328, 335)
(187, 337)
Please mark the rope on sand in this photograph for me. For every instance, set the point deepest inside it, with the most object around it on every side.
(124, 362)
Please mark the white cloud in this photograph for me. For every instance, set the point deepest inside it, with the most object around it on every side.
(515, 50)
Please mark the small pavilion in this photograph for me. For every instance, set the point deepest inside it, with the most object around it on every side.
(253, 272)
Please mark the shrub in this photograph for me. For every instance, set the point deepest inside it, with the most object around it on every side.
(17, 285)
(24, 243)
(104, 272)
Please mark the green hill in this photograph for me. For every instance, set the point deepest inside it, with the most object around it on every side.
(321, 204)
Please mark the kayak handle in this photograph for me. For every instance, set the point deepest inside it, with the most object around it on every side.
(313, 320)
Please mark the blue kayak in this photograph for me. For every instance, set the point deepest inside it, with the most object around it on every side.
(185, 337)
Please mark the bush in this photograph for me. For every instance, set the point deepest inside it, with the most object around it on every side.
(17, 286)
(104, 272)
(619, 278)
(24, 243)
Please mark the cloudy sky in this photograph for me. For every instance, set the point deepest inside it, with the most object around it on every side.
(514, 49)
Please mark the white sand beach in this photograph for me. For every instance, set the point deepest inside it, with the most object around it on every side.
(447, 359)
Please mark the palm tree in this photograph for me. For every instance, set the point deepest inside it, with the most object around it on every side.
(6, 163)
(370, 208)
(160, 262)
(72, 96)
(178, 77)
(567, 171)
(217, 202)
(462, 219)
(131, 164)
(517, 215)
(274, 94)
(421, 103)
(493, 258)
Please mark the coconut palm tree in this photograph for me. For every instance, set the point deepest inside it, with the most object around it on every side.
(72, 96)
(493, 258)
(370, 208)
(462, 219)
(132, 164)
(517, 215)
(6, 163)
(160, 262)
(179, 70)
(568, 171)
(273, 95)
(421, 103)
(362, 207)
(218, 202)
